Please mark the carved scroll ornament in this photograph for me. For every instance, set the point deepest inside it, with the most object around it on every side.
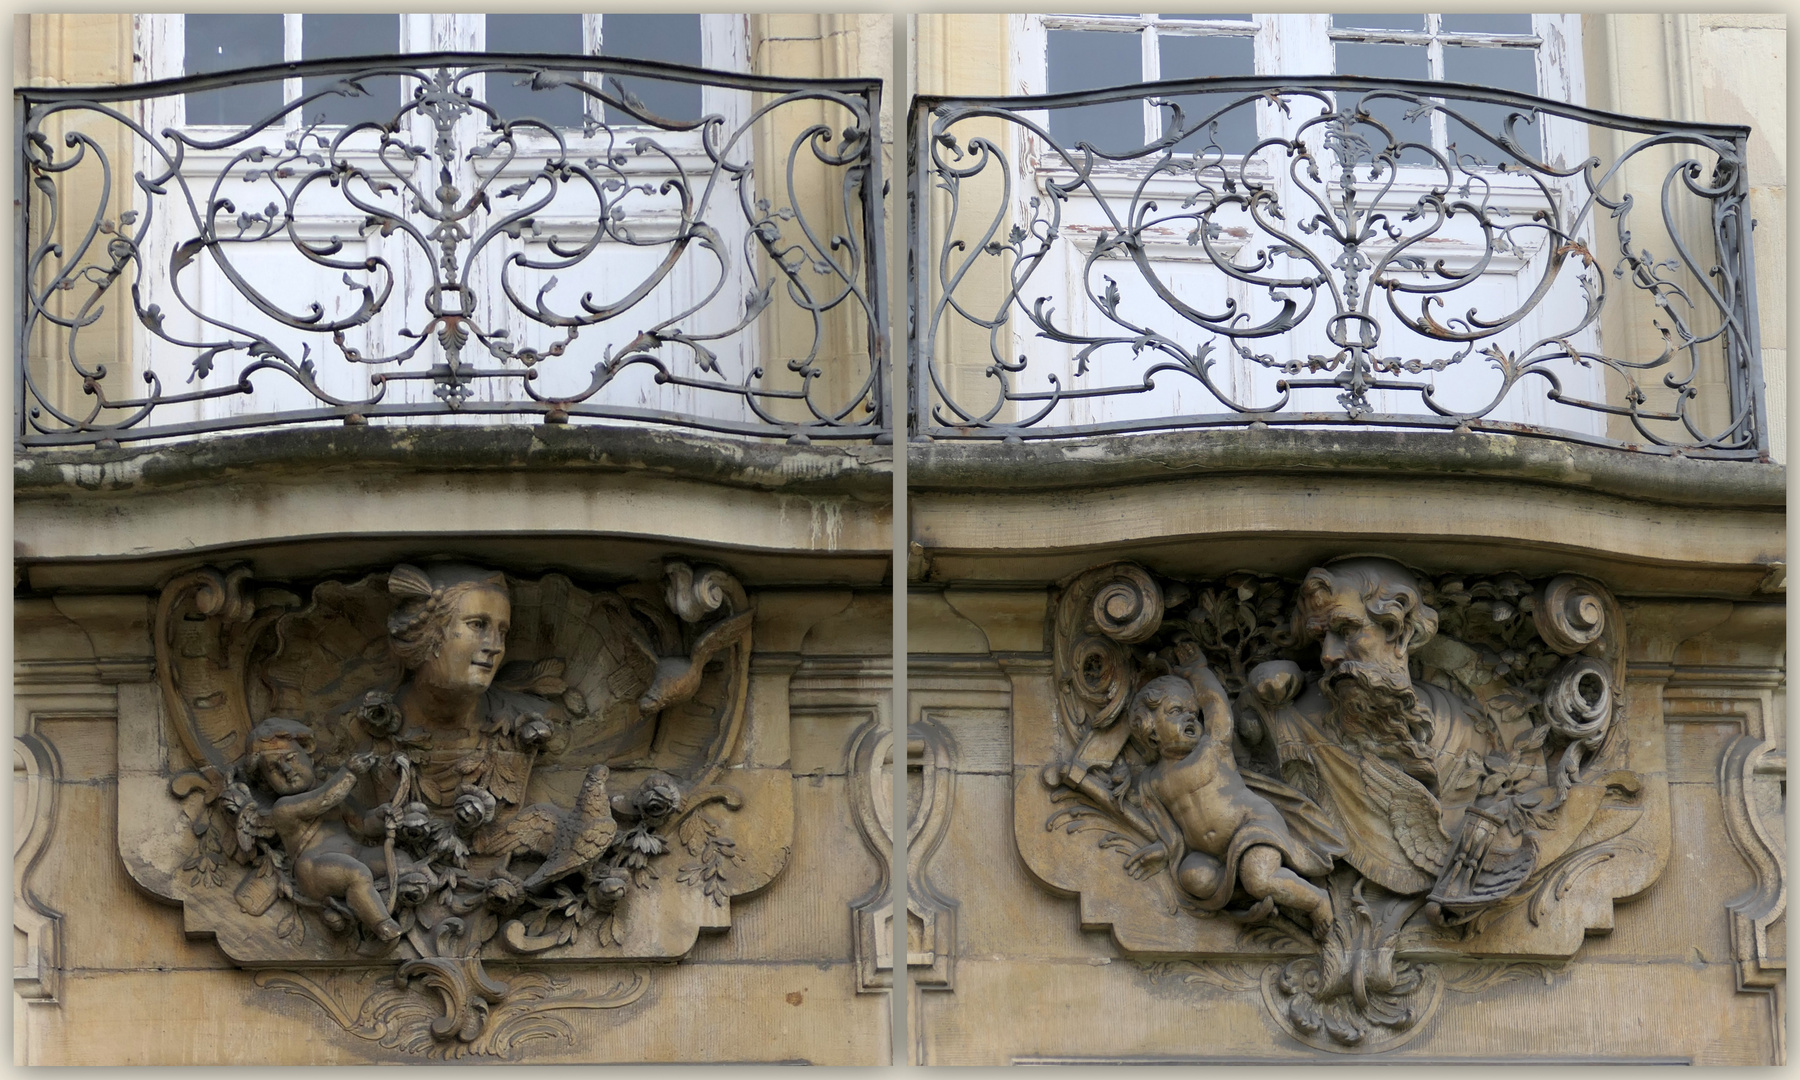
(407, 776)
(1341, 780)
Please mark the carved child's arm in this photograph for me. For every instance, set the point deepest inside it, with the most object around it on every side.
(1215, 706)
(327, 796)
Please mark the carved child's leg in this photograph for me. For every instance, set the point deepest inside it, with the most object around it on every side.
(1200, 874)
(1263, 875)
(338, 874)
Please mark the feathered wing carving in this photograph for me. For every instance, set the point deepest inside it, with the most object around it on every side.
(1412, 812)
(206, 629)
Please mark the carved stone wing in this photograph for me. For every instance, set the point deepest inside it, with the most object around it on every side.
(1413, 813)
(207, 627)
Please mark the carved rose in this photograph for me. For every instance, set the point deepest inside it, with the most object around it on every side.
(379, 715)
(605, 892)
(415, 886)
(474, 808)
(534, 732)
(414, 822)
(504, 890)
(657, 798)
(235, 798)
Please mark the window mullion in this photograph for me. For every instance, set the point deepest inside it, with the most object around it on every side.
(1434, 70)
(291, 50)
(1152, 71)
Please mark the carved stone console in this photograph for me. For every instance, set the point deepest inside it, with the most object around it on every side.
(445, 803)
(1346, 794)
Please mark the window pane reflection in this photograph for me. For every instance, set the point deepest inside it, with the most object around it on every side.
(325, 36)
(221, 42)
(1198, 57)
(1503, 69)
(558, 35)
(673, 39)
(1388, 62)
(1083, 60)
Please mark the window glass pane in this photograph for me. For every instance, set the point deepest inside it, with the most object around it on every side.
(326, 36)
(1195, 57)
(558, 35)
(223, 42)
(1487, 24)
(1388, 62)
(1085, 60)
(1504, 69)
(1379, 22)
(673, 39)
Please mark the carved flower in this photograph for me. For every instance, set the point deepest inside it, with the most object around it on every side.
(504, 890)
(235, 798)
(414, 822)
(657, 798)
(474, 808)
(605, 891)
(379, 715)
(534, 732)
(415, 885)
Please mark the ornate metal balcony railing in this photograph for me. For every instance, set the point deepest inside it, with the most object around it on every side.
(1379, 252)
(721, 271)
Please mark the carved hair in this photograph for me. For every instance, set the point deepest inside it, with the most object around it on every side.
(424, 600)
(278, 733)
(1390, 594)
(1152, 697)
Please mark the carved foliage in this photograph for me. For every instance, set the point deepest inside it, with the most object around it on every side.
(429, 768)
(1360, 770)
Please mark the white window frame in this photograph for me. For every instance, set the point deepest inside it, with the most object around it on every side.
(162, 50)
(1302, 45)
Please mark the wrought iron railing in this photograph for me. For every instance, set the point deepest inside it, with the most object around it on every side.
(719, 271)
(1327, 251)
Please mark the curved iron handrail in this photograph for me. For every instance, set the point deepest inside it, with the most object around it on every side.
(476, 209)
(1322, 234)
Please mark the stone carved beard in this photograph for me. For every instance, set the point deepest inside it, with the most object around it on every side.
(1376, 706)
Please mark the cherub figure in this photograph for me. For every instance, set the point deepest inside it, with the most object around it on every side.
(1215, 831)
(328, 862)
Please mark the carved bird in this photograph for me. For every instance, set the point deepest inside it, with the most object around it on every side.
(677, 677)
(568, 840)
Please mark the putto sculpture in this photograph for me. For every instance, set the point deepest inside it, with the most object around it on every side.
(1337, 778)
(441, 766)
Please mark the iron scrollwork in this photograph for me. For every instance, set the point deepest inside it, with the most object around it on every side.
(1340, 270)
(484, 255)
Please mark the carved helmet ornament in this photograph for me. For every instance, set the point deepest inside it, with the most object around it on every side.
(1320, 784)
(441, 766)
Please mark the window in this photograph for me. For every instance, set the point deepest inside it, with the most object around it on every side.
(322, 252)
(1080, 52)
(1097, 289)
(198, 44)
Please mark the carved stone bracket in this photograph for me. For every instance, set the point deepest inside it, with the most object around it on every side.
(36, 926)
(384, 787)
(931, 917)
(1344, 782)
(1751, 768)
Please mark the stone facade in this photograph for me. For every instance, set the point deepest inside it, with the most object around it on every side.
(564, 743)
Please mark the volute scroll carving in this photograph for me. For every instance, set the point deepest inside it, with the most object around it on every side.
(1343, 781)
(443, 766)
